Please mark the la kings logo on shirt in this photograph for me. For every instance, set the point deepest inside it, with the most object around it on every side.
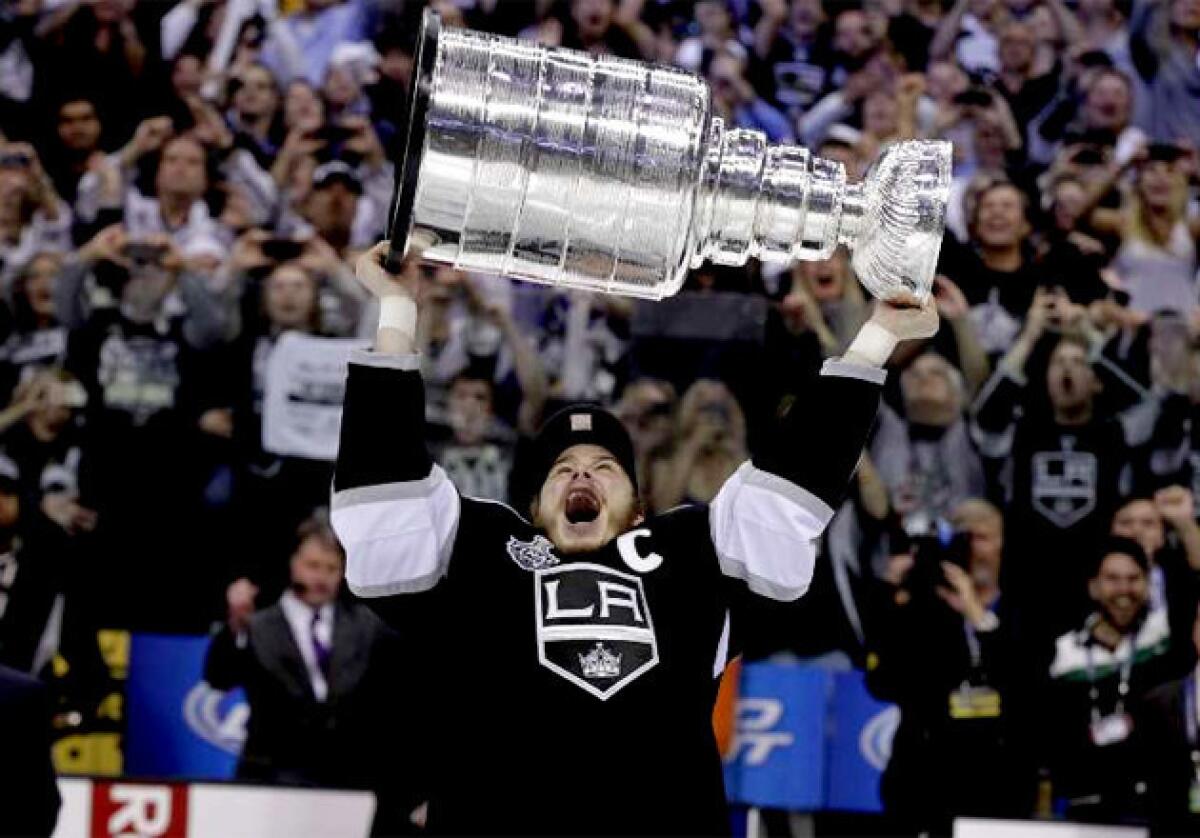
(594, 627)
(1065, 484)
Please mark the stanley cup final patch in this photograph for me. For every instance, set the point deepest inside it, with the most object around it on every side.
(532, 555)
(594, 627)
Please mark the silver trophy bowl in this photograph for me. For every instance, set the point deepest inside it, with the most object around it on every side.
(610, 175)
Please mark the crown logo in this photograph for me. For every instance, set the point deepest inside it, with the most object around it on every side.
(600, 663)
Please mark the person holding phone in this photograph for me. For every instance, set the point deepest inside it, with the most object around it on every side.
(943, 645)
(33, 218)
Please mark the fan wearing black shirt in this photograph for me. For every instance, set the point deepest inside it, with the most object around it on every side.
(997, 271)
(1060, 461)
(573, 657)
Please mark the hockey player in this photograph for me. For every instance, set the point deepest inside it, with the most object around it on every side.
(574, 648)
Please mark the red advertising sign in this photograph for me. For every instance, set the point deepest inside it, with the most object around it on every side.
(139, 810)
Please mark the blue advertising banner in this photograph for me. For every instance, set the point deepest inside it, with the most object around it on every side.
(777, 757)
(176, 725)
(860, 742)
(808, 739)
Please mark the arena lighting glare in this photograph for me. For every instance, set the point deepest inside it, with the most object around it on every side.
(612, 175)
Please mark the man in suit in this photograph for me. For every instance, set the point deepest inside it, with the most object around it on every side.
(1170, 723)
(29, 798)
(310, 665)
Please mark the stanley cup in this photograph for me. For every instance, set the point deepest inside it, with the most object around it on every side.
(611, 175)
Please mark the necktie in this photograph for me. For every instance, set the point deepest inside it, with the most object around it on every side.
(322, 652)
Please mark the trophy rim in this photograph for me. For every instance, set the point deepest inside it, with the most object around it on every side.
(409, 170)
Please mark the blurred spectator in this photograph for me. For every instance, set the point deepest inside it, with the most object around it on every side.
(471, 442)
(827, 300)
(1171, 729)
(1105, 28)
(647, 410)
(946, 652)
(339, 205)
(968, 32)
(998, 271)
(1016, 81)
(1095, 753)
(99, 44)
(316, 30)
(736, 101)
(76, 147)
(1157, 258)
(33, 218)
(256, 114)
(1174, 556)
(37, 338)
(1061, 465)
(271, 494)
(606, 27)
(1163, 41)
(136, 337)
(312, 665)
(793, 51)
(709, 446)
(28, 787)
(718, 34)
(927, 459)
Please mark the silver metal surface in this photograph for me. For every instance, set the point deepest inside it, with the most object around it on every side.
(611, 175)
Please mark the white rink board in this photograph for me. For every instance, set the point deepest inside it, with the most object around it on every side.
(202, 810)
(978, 828)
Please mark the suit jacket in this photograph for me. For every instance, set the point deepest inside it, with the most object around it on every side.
(293, 738)
(1161, 717)
(29, 798)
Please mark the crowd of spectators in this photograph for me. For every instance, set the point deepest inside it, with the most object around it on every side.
(181, 183)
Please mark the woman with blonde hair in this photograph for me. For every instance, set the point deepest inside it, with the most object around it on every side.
(1157, 257)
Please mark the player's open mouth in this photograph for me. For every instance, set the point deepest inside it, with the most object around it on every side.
(583, 506)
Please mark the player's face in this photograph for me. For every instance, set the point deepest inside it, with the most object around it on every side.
(586, 501)
(1120, 590)
(1140, 521)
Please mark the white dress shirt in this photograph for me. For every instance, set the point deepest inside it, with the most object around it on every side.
(300, 620)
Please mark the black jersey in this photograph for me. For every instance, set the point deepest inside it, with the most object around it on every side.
(573, 694)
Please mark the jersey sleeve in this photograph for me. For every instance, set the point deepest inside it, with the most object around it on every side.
(395, 511)
(767, 517)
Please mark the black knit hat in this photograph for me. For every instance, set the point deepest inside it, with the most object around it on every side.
(581, 424)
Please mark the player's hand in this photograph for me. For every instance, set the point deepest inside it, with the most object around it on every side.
(906, 319)
(370, 271)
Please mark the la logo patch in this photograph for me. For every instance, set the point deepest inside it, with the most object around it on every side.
(594, 627)
(532, 555)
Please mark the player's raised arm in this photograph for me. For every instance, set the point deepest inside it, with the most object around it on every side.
(770, 511)
(394, 510)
